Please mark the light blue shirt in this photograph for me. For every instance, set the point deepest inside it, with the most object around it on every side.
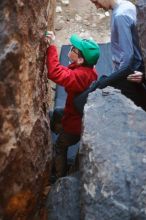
(124, 39)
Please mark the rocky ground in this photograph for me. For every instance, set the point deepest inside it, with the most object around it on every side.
(81, 17)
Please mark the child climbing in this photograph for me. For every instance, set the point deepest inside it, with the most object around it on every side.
(75, 78)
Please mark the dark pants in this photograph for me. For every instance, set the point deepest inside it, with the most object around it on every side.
(63, 141)
(134, 91)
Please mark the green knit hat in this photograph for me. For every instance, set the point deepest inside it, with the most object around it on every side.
(89, 48)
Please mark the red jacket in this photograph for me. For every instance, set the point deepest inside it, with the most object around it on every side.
(75, 79)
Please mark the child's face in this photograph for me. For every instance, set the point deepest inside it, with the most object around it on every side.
(75, 55)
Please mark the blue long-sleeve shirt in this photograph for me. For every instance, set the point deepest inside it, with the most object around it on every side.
(124, 39)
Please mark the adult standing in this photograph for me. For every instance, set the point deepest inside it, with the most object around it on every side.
(125, 47)
(141, 26)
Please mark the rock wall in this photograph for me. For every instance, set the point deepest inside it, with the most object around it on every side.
(25, 148)
(141, 24)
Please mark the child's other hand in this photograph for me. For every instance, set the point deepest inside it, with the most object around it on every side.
(47, 41)
(135, 77)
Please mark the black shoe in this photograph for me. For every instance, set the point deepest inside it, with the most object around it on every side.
(53, 179)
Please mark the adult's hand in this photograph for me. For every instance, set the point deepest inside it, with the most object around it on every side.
(135, 77)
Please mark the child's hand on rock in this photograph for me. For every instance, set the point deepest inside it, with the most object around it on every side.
(49, 37)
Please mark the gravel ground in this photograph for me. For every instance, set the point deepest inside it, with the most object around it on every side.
(80, 17)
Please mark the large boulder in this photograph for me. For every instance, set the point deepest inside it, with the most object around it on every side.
(112, 177)
(25, 148)
(113, 158)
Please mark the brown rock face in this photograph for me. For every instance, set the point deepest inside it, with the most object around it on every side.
(25, 147)
(141, 13)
